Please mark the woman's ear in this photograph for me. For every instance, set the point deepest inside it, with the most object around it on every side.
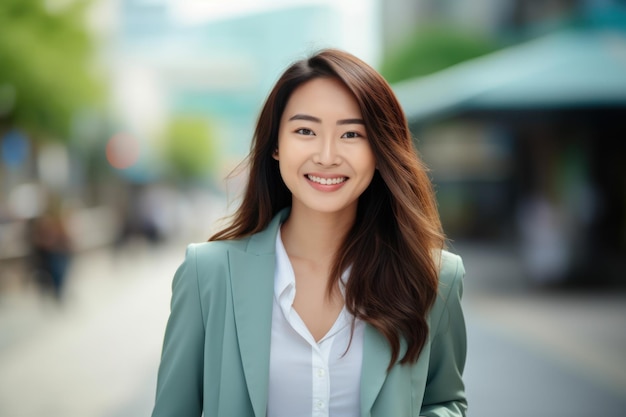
(275, 154)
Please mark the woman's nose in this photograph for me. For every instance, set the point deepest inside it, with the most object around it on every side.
(327, 153)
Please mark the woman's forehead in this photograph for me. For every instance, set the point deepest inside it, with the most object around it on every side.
(320, 97)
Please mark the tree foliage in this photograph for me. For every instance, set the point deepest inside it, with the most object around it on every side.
(45, 66)
(431, 49)
(190, 147)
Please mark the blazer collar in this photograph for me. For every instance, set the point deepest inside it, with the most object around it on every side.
(252, 280)
(264, 242)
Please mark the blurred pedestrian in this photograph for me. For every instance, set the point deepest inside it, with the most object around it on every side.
(144, 215)
(544, 244)
(51, 248)
(330, 292)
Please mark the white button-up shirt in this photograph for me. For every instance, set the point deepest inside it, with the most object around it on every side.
(309, 378)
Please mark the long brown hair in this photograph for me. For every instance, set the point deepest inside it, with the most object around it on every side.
(394, 244)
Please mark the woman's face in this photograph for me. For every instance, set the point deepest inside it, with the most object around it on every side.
(324, 154)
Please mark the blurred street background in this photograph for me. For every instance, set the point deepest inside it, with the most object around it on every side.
(121, 122)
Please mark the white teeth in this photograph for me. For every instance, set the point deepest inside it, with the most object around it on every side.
(326, 181)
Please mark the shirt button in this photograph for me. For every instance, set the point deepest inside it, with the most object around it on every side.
(321, 372)
(319, 403)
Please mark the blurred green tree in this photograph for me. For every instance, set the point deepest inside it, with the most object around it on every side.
(433, 48)
(46, 71)
(190, 147)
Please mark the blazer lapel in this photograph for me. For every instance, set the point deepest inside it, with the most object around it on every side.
(252, 280)
(252, 285)
(376, 357)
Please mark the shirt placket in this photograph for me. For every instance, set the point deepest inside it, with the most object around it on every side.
(321, 378)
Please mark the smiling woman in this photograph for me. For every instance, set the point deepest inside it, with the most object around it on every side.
(330, 292)
(324, 156)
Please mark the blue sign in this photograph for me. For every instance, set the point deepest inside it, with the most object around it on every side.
(14, 148)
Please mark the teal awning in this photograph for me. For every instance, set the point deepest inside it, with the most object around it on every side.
(559, 71)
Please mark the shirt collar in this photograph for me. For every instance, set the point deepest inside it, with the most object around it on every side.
(284, 277)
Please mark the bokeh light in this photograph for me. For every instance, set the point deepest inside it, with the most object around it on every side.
(122, 151)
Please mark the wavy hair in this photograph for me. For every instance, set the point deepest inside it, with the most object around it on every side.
(394, 244)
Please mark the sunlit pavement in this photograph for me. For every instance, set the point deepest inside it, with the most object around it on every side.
(539, 352)
(95, 355)
(530, 353)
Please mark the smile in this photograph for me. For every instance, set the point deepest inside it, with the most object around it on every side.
(327, 181)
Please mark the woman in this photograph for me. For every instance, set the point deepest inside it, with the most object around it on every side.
(330, 293)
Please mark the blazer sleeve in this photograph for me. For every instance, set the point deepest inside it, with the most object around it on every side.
(180, 375)
(444, 395)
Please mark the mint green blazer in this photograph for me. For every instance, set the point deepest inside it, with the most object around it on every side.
(215, 356)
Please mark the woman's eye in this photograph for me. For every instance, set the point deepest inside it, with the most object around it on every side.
(351, 135)
(306, 132)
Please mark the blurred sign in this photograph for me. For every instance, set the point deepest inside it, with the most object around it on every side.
(14, 148)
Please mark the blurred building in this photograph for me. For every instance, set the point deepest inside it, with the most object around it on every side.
(525, 143)
(503, 18)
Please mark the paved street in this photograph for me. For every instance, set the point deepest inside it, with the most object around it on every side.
(542, 353)
(98, 351)
(530, 353)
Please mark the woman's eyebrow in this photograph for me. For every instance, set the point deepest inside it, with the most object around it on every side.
(350, 122)
(305, 117)
(318, 120)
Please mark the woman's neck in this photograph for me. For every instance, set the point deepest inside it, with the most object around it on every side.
(315, 236)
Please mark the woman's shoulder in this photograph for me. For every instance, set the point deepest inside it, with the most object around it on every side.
(208, 263)
(451, 269)
(450, 292)
(213, 251)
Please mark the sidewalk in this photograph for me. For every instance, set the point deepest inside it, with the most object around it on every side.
(536, 352)
(100, 348)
